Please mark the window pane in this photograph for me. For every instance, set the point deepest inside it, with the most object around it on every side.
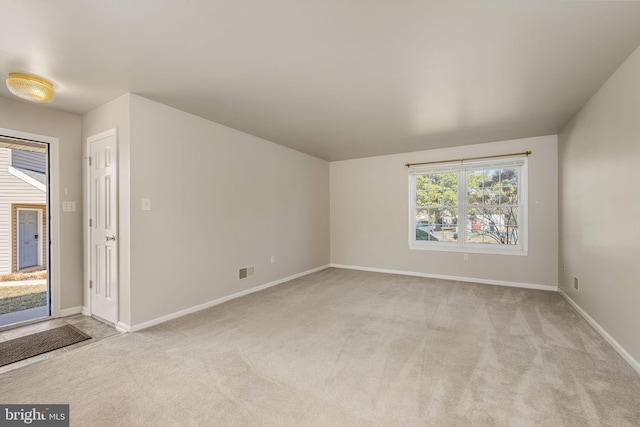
(422, 198)
(436, 224)
(474, 196)
(492, 210)
(437, 189)
(450, 197)
(475, 179)
(509, 176)
(421, 183)
(424, 224)
(446, 225)
(509, 195)
(435, 198)
(497, 225)
(492, 195)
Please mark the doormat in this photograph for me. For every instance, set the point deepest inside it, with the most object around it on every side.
(28, 346)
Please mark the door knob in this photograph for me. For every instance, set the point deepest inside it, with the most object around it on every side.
(111, 238)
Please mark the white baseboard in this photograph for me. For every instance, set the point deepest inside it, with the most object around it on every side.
(123, 327)
(457, 278)
(132, 328)
(615, 344)
(70, 311)
(120, 327)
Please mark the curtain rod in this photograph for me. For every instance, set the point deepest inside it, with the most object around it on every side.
(525, 153)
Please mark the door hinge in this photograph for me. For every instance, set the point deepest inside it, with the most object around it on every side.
(88, 157)
(90, 284)
(90, 222)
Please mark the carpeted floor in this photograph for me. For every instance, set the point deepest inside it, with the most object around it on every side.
(347, 348)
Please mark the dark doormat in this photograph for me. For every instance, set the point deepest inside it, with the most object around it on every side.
(42, 342)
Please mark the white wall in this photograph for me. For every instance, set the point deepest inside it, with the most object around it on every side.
(221, 200)
(599, 164)
(370, 210)
(27, 117)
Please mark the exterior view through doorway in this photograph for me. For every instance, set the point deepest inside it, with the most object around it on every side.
(25, 291)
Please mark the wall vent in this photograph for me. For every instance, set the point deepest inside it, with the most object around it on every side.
(576, 284)
(245, 272)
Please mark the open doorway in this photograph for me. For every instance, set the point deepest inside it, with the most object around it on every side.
(25, 291)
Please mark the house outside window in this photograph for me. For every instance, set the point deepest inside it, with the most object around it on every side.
(470, 206)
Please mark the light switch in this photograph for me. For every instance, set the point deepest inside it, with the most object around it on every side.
(146, 204)
(68, 206)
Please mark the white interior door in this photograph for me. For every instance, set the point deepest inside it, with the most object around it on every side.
(27, 238)
(103, 226)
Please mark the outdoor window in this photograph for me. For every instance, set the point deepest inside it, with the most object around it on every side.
(470, 206)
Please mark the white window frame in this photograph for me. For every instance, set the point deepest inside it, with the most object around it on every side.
(461, 245)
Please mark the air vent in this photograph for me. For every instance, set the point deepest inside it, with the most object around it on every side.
(243, 273)
(576, 284)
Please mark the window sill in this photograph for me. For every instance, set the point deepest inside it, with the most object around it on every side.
(469, 250)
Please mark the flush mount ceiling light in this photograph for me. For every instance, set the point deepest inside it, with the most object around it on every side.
(30, 87)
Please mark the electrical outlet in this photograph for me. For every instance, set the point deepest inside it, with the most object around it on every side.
(273, 259)
(466, 257)
(68, 206)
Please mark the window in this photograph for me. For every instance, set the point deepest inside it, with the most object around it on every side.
(472, 206)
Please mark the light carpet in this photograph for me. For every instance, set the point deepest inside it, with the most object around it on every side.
(349, 348)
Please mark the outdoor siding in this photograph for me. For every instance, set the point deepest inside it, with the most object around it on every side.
(28, 160)
(12, 191)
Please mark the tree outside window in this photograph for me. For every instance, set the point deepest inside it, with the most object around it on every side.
(471, 206)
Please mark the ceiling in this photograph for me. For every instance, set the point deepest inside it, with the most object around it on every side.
(337, 79)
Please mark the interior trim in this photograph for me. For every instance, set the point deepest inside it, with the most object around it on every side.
(599, 329)
(123, 327)
(446, 277)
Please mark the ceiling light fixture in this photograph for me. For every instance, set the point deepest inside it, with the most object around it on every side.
(30, 87)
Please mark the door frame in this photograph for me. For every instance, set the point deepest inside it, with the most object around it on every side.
(39, 230)
(87, 306)
(52, 211)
